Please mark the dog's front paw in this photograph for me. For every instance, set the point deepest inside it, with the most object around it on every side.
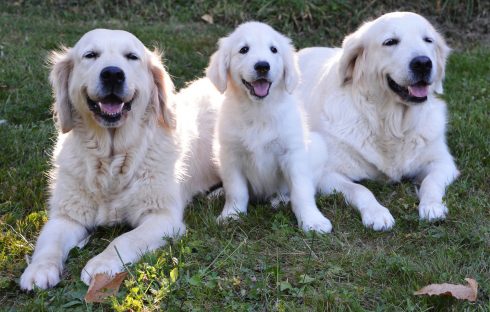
(101, 264)
(40, 274)
(316, 222)
(379, 219)
(432, 212)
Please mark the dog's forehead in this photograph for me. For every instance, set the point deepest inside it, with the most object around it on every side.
(255, 33)
(109, 39)
(402, 23)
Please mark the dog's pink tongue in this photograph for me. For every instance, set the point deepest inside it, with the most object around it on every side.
(111, 108)
(418, 90)
(261, 87)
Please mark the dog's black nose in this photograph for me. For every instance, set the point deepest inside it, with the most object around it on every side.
(421, 65)
(112, 76)
(262, 67)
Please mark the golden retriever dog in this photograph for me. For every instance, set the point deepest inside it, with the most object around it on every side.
(197, 107)
(118, 158)
(262, 136)
(375, 102)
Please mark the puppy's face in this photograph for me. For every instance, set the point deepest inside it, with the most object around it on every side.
(108, 77)
(400, 53)
(256, 60)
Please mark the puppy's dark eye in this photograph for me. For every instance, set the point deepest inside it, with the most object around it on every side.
(132, 56)
(428, 40)
(273, 50)
(391, 42)
(244, 50)
(90, 55)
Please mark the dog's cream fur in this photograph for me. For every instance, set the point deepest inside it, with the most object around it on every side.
(135, 171)
(263, 142)
(369, 130)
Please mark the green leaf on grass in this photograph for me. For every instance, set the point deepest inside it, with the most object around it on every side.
(285, 285)
(174, 274)
(305, 279)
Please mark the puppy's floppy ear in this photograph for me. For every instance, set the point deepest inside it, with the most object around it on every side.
(442, 52)
(219, 65)
(352, 51)
(61, 66)
(164, 88)
(291, 70)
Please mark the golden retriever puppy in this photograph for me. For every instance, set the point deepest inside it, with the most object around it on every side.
(117, 157)
(375, 103)
(262, 136)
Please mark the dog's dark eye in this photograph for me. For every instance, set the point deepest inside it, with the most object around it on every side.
(273, 50)
(90, 55)
(243, 50)
(391, 42)
(132, 56)
(428, 40)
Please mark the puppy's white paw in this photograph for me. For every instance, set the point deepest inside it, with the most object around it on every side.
(40, 274)
(432, 212)
(227, 215)
(279, 199)
(101, 264)
(217, 193)
(315, 222)
(378, 219)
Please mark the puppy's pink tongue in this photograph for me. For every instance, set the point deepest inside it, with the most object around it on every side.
(418, 90)
(111, 108)
(261, 87)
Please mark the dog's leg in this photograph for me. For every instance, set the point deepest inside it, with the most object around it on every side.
(300, 181)
(236, 193)
(432, 189)
(149, 235)
(58, 236)
(373, 214)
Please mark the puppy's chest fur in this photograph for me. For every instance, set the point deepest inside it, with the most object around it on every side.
(259, 146)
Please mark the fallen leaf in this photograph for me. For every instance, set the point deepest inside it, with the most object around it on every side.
(207, 18)
(464, 292)
(103, 286)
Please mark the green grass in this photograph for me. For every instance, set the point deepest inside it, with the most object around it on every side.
(262, 262)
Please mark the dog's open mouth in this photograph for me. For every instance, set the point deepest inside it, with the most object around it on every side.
(416, 92)
(110, 108)
(259, 88)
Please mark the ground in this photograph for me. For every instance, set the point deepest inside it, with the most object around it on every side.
(263, 262)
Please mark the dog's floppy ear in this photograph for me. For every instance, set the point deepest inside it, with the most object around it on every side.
(219, 65)
(352, 50)
(291, 70)
(442, 52)
(164, 88)
(61, 67)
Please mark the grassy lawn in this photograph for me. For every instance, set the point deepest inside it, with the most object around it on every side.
(263, 262)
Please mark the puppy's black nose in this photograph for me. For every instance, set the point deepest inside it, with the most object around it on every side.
(421, 65)
(262, 67)
(112, 76)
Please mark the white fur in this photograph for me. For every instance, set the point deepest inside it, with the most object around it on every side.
(263, 142)
(136, 173)
(370, 132)
(197, 107)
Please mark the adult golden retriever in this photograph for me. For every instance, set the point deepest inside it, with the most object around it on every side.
(118, 157)
(375, 102)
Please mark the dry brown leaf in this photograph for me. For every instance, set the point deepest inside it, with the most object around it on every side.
(103, 286)
(464, 292)
(208, 18)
